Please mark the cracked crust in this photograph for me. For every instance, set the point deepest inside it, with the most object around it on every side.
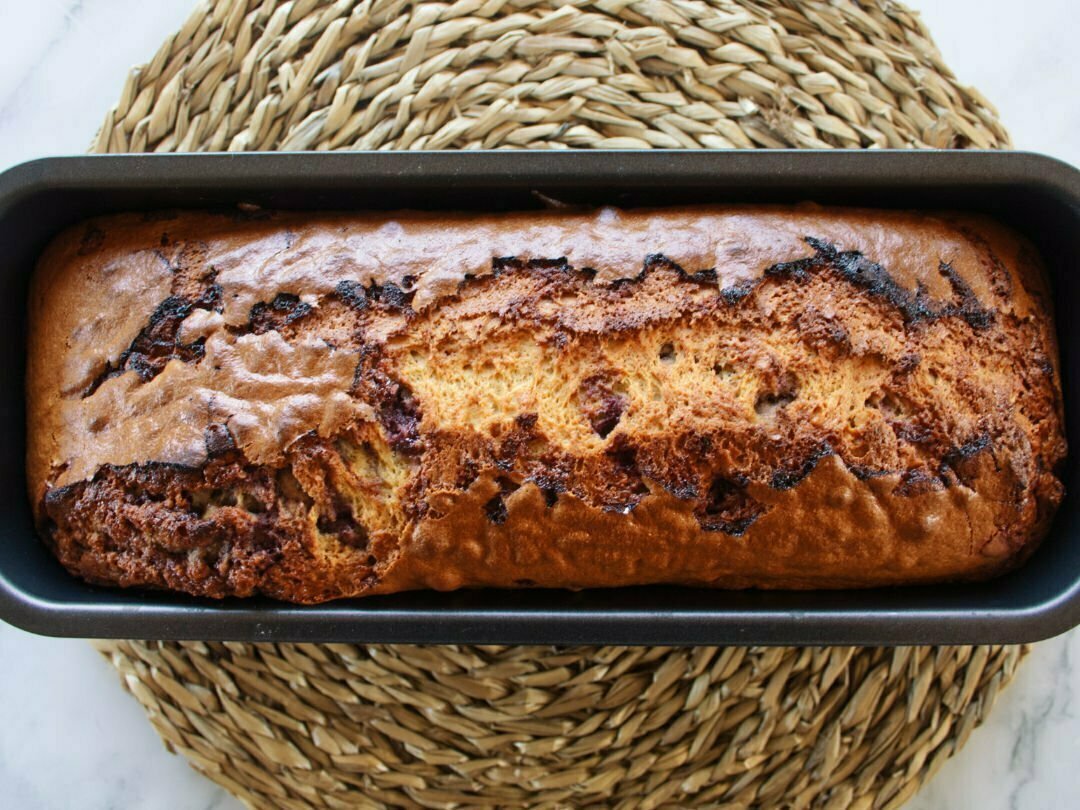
(315, 406)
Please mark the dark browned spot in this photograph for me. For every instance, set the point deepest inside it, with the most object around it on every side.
(284, 309)
(727, 507)
(218, 440)
(400, 417)
(557, 263)
(967, 305)
(353, 294)
(603, 401)
(658, 261)
(624, 487)
(962, 461)
(495, 509)
(398, 410)
(737, 292)
(507, 484)
(392, 296)
(550, 483)
(342, 524)
(864, 473)
(788, 478)
(917, 482)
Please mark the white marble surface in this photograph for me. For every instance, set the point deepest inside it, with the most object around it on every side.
(71, 737)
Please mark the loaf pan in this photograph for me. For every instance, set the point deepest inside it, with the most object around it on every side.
(1037, 195)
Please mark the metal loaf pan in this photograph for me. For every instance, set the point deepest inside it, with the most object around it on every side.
(1038, 195)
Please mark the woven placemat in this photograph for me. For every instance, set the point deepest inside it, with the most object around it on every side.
(294, 725)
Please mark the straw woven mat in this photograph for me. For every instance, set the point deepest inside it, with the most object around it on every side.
(293, 725)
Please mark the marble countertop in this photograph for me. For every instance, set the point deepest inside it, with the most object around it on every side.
(72, 737)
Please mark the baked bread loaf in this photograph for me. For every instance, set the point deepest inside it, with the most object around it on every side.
(314, 406)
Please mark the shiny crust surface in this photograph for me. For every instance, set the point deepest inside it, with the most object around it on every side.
(316, 406)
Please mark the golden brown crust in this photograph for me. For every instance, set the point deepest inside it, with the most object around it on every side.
(317, 406)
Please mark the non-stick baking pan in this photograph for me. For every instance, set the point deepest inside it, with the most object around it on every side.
(1035, 194)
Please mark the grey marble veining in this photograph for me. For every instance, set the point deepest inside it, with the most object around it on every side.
(71, 737)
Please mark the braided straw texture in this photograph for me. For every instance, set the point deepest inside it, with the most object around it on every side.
(342, 726)
(395, 74)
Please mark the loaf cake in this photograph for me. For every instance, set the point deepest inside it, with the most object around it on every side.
(314, 406)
